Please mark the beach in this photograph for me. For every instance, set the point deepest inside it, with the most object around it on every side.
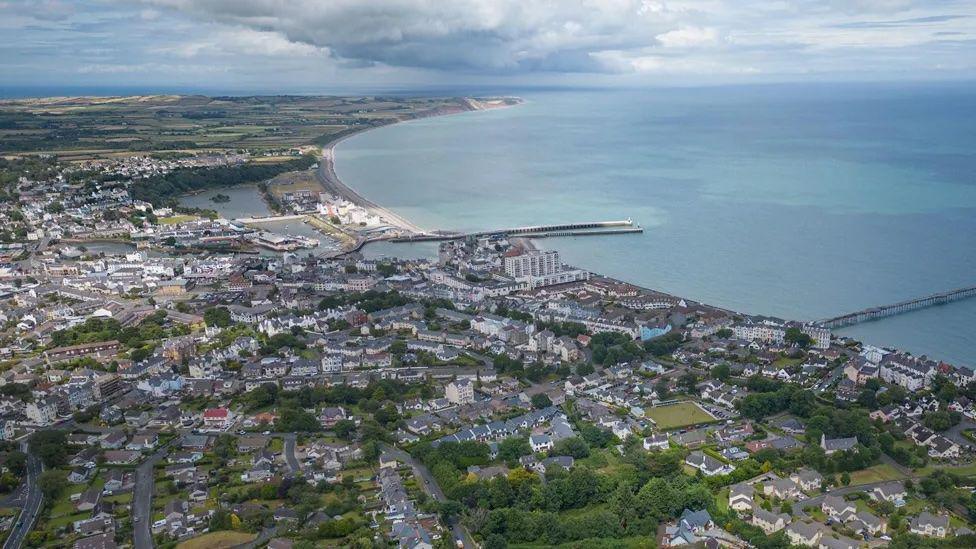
(333, 184)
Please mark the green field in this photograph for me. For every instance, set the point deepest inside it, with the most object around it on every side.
(217, 540)
(877, 473)
(678, 415)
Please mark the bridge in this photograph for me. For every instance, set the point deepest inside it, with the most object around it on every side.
(883, 311)
(540, 231)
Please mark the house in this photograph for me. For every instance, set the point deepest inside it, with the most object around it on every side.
(866, 522)
(769, 522)
(100, 541)
(831, 445)
(836, 506)
(839, 542)
(807, 479)
(782, 488)
(388, 460)
(942, 448)
(707, 464)
(657, 441)
(927, 524)
(804, 533)
(88, 500)
(540, 443)
(688, 529)
(890, 491)
(741, 497)
(217, 418)
(81, 475)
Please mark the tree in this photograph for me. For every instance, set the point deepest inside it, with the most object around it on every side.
(941, 420)
(663, 389)
(345, 428)
(722, 372)
(52, 483)
(51, 446)
(845, 478)
(217, 316)
(796, 337)
(572, 446)
(513, 448)
(687, 381)
(540, 401)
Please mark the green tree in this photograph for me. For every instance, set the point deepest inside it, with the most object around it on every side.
(52, 482)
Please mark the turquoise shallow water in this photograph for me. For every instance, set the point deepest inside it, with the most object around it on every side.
(796, 201)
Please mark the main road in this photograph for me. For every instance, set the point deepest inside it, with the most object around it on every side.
(32, 504)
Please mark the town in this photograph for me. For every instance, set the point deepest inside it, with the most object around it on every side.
(175, 389)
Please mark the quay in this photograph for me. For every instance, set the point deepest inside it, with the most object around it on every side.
(533, 231)
(883, 311)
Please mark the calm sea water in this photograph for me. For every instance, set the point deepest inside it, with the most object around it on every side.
(797, 201)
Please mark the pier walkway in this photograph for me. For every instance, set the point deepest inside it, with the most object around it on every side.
(565, 229)
(269, 218)
(883, 311)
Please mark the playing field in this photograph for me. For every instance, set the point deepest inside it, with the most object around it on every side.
(678, 415)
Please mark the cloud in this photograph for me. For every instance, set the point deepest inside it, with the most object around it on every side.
(688, 37)
(899, 23)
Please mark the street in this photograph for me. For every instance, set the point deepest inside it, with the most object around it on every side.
(142, 500)
(432, 489)
(32, 504)
(289, 452)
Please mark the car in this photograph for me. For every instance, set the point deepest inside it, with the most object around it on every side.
(137, 519)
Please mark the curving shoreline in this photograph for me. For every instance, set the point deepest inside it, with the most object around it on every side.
(331, 182)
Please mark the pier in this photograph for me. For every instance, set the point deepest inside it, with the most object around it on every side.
(533, 231)
(883, 311)
(269, 218)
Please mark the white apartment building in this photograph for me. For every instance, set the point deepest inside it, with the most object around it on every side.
(459, 392)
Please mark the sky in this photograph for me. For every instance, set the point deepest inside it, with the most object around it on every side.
(317, 45)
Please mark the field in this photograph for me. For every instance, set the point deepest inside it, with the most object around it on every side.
(173, 220)
(877, 473)
(678, 415)
(217, 540)
(83, 128)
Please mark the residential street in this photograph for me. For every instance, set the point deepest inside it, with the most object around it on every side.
(142, 499)
(432, 489)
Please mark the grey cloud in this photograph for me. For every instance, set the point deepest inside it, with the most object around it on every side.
(899, 22)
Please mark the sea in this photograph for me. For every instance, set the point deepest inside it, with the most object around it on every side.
(796, 201)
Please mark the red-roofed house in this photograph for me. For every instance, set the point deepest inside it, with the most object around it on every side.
(217, 418)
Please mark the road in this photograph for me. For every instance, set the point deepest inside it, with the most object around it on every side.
(32, 504)
(289, 452)
(430, 486)
(142, 499)
(955, 433)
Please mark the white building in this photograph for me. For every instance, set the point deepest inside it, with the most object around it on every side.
(459, 392)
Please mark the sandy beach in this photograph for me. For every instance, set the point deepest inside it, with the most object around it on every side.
(332, 184)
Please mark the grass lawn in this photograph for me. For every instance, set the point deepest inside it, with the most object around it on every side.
(217, 540)
(174, 219)
(678, 415)
(722, 500)
(877, 473)
(962, 470)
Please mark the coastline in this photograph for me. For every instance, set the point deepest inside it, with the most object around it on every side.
(331, 182)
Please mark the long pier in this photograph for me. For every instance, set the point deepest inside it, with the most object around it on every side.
(532, 231)
(883, 311)
(269, 218)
